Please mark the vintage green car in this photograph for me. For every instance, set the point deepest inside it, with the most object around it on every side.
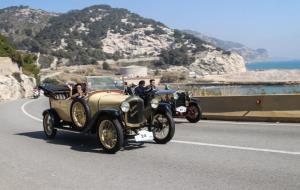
(106, 111)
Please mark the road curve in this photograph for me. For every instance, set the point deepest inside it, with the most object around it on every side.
(205, 155)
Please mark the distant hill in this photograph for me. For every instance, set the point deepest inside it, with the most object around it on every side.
(100, 32)
(21, 23)
(97, 32)
(249, 54)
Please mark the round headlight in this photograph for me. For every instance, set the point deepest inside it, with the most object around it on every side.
(154, 103)
(175, 96)
(190, 94)
(125, 107)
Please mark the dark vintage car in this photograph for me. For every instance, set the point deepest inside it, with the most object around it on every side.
(184, 105)
(106, 112)
(181, 104)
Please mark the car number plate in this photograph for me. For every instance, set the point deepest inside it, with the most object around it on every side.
(181, 109)
(144, 136)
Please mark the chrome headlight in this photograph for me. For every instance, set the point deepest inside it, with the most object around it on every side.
(154, 103)
(175, 96)
(125, 107)
(190, 94)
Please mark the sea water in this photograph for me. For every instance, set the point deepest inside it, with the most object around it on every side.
(267, 65)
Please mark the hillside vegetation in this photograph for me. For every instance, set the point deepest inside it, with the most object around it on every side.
(24, 60)
(82, 35)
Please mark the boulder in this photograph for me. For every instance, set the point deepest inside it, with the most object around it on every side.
(14, 84)
(7, 67)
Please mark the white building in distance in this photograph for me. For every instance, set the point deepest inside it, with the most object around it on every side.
(134, 71)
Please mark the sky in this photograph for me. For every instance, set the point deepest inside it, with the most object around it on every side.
(270, 24)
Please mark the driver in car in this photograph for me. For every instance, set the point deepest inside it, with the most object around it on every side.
(140, 90)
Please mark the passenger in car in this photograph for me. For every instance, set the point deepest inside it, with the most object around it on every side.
(127, 89)
(79, 91)
(151, 86)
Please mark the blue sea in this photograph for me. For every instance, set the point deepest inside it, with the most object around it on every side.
(274, 65)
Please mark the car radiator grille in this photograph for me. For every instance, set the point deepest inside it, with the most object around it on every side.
(136, 113)
(181, 99)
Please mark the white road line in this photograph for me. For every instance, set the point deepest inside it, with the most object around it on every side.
(249, 123)
(236, 147)
(28, 114)
(196, 143)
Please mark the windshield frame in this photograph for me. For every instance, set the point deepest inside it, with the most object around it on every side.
(108, 83)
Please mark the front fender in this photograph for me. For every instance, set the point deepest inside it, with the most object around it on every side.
(164, 108)
(111, 113)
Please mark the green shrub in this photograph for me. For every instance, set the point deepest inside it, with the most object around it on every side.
(106, 66)
(169, 78)
(45, 61)
(176, 57)
(31, 69)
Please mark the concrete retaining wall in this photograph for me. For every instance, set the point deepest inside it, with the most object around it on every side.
(257, 108)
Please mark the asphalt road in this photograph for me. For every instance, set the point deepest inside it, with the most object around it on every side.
(206, 155)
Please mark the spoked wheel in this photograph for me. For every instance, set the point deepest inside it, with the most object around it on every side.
(80, 113)
(110, 135)
(49, 130)
(194, 113)
(164, 128)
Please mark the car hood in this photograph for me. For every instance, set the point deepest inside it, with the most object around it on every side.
(112, 99)
(102, 100)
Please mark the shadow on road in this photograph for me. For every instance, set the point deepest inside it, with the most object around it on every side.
(78, 142)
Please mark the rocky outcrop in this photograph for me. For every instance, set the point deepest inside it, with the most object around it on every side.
(217, 62)
(14, 84)
(137, 42)
(7, 67)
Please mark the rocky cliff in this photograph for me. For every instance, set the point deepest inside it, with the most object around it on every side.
(14, 84)
(215, 62)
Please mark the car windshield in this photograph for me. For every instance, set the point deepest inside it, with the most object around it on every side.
(104, 83)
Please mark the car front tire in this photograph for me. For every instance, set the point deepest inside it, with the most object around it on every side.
(110, 135)
(194, 113)
(164, 128)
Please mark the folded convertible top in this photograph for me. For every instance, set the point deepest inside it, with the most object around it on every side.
(52, 90)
